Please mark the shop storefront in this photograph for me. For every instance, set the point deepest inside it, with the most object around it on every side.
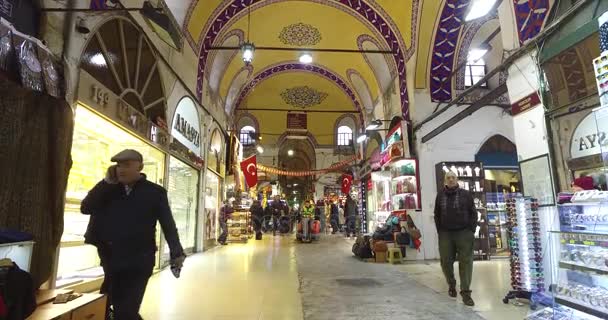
(185, 166)
(213, 190)
(109, 117)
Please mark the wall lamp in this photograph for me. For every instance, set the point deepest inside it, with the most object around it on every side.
(375, 124)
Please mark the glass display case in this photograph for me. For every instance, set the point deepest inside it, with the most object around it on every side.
(379, 205)
(212, 203)
(182, 191)
(404, 185)
(581, 255)
(95, 141)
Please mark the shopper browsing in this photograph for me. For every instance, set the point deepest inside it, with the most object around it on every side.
(456, 221)
(225, 215)
(351, 216)
(125, 208)
(334, 218)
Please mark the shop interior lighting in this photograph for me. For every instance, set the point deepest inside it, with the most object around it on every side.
(295, 184)
(306, 58)
(260, 149)
(479, 8)
(247, 50)
(290, 153)
(362, 138)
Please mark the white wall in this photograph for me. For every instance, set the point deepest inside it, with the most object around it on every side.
(459, 143)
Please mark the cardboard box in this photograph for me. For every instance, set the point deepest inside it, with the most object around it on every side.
(381, 257)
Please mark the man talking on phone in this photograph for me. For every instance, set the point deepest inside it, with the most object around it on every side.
(124, 209)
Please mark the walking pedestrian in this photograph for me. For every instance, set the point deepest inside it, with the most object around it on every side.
(308, 215)
(334, 218)
(456, 221)
(351, 216)
(124, 209)
(257, 215)
(225, 215)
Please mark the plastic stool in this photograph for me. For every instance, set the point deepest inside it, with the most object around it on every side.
(394, 255)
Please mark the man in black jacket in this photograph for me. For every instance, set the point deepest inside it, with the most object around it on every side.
(334, 218)
(124, 209)
(456, 221)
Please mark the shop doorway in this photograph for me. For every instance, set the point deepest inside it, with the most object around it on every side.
(502, 180)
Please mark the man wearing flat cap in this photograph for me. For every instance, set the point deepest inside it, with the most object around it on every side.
(124, 209)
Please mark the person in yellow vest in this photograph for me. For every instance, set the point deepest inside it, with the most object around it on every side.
(308, 216)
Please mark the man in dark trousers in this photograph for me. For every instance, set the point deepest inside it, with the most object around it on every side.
(277, 210)
(334, 218)
(351, 216)
(456, 221)
(225, 215)
(125, 208)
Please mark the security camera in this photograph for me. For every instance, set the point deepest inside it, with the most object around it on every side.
(81, 27)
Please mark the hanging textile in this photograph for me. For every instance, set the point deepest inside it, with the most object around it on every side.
(35, 139)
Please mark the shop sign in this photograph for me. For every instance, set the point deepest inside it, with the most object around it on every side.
(186, 125)
(525, 104)
(590, 137)
(297, 120)
(24, 15)
(96, 96)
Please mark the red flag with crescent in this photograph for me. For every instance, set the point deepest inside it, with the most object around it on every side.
(249, 167)
(347, 181)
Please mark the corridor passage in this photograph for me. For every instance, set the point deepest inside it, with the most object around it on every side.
(278, 278)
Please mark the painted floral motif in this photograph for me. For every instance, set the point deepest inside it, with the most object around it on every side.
(303, 97)
(300, 34)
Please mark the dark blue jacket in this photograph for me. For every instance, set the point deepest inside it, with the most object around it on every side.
(123, 227)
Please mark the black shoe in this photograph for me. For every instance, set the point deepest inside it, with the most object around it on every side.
(452, 291)
(466, 298)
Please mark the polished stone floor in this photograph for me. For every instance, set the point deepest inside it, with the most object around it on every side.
(278, 278)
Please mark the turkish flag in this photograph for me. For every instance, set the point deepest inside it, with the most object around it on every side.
(249, 167)
(347, 181)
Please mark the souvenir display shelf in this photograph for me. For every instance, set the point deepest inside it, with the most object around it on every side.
(239, 226)
(527, 276)
(600, 66)
(581, 255)
(472, 178)
(496, 208)
(404, 185)
(379, 204)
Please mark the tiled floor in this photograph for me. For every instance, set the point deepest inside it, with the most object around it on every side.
(261, 280)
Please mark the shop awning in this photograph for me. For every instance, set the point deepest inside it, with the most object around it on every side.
(582, 25)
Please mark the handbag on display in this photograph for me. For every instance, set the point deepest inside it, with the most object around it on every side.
(412, 230)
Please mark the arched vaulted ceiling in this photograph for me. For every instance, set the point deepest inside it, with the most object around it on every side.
(326, 24)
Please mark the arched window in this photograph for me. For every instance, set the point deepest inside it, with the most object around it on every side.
(345, 136)
(475, 68)
(246, 135)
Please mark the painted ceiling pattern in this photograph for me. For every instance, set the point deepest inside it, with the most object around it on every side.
(371, 13)
(299, 67)
(300, 34)
(530, 17)
(303, 97)
(444, 48)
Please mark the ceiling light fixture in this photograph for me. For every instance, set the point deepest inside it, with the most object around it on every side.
(248, 48)
(374, 125)
(479, 8)
(260, 149)
(361, 138)
(306, 58)
(290, 153)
